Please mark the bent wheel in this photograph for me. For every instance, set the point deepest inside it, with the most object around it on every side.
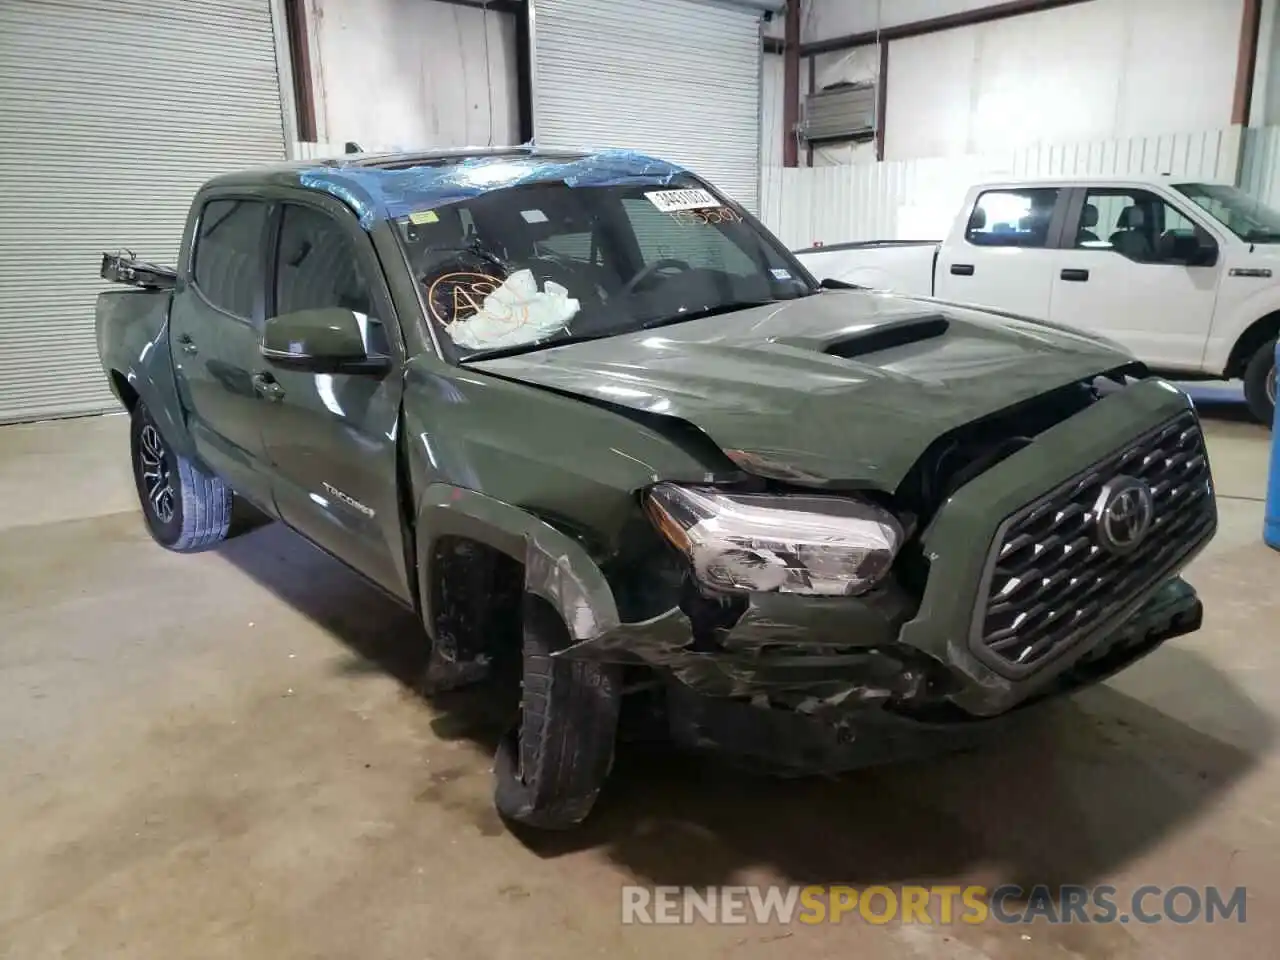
(186, 509)
(550, 769)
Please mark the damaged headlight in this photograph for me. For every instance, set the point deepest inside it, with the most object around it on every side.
(817, 545)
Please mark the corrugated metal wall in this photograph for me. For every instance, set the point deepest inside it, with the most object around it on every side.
(771, 102)
(917, 199)
(111, 115)
(681, 82)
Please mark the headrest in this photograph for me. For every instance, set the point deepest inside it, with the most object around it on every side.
(1130, 218)
(1090, 216)
(978, 219)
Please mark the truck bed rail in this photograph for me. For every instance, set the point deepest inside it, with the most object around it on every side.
(124, 267)
(864, 245)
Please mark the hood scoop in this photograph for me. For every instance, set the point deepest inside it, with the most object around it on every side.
(886, 336)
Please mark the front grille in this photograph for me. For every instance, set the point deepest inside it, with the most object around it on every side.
(1052, 583)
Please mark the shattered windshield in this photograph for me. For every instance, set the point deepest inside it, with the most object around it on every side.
(1249, 219)
(543, 264)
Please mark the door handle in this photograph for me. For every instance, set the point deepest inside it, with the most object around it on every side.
(962, 269)
(1079, 276)
(187, 344)
(266, 386)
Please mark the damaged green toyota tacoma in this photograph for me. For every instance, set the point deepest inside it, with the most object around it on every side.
(591, 421)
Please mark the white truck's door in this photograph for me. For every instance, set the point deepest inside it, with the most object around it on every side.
(1000, 252)
(1119, 275)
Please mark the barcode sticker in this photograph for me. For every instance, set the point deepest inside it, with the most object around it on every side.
(670, 200)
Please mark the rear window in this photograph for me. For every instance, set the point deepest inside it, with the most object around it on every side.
(228, 254)
(1012, 218)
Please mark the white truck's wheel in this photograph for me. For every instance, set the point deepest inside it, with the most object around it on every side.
(1260, 383)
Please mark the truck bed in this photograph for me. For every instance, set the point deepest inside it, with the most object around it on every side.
(902, 266)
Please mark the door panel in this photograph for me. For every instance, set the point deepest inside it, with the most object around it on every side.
(1117, 279)
(1003, 278)
(215, 343)
(331, 437)
(1003, 258)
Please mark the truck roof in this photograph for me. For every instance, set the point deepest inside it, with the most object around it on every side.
(1163, 179)
(288, 170)
(389, 185)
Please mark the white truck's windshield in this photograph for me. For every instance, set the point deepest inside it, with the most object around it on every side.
(546, 263)
(1249, 219)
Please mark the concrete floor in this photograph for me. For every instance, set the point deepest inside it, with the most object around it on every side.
(223, 755)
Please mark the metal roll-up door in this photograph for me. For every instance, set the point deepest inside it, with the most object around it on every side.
(679, 79)
(113, 114)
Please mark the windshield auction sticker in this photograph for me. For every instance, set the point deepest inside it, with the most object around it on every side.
(669, 200)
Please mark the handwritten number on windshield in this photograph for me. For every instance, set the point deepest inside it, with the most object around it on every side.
(711, 215)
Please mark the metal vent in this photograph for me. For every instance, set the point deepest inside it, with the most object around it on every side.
(1051, 582)
(844, 112)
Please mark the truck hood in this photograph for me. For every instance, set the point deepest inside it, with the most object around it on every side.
(798, 390)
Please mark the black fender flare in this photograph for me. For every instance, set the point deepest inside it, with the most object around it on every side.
(556, 567)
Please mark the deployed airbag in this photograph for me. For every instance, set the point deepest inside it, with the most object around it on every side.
(516, 312)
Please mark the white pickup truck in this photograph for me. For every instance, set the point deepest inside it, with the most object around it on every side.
(1179, 273)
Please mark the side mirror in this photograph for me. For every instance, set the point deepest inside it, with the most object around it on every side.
(1206, 252)
(320, 341)
(1195, 251)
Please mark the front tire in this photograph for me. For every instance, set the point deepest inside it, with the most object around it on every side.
(1260, 383)
(550, 769)
(186, 509)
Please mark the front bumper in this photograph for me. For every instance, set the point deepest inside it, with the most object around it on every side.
(826, 657)
(832, 740)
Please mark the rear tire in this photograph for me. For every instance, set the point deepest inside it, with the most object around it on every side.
(186, 509)
(550, 769)
(1260, 383)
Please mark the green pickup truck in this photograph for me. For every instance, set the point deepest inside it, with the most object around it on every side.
(591, 421)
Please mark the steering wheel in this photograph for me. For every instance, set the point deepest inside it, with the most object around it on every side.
(560, 269)
(666, 263)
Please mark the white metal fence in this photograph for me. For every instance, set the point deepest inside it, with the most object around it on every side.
(917, 199)
(1260, 164)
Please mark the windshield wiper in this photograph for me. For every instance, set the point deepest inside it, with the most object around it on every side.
(719, 308)
(545, 343)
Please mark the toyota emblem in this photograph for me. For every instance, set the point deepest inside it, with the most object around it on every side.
(1124, 514)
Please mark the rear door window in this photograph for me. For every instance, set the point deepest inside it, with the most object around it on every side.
(1012, 218)
(228, 254)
